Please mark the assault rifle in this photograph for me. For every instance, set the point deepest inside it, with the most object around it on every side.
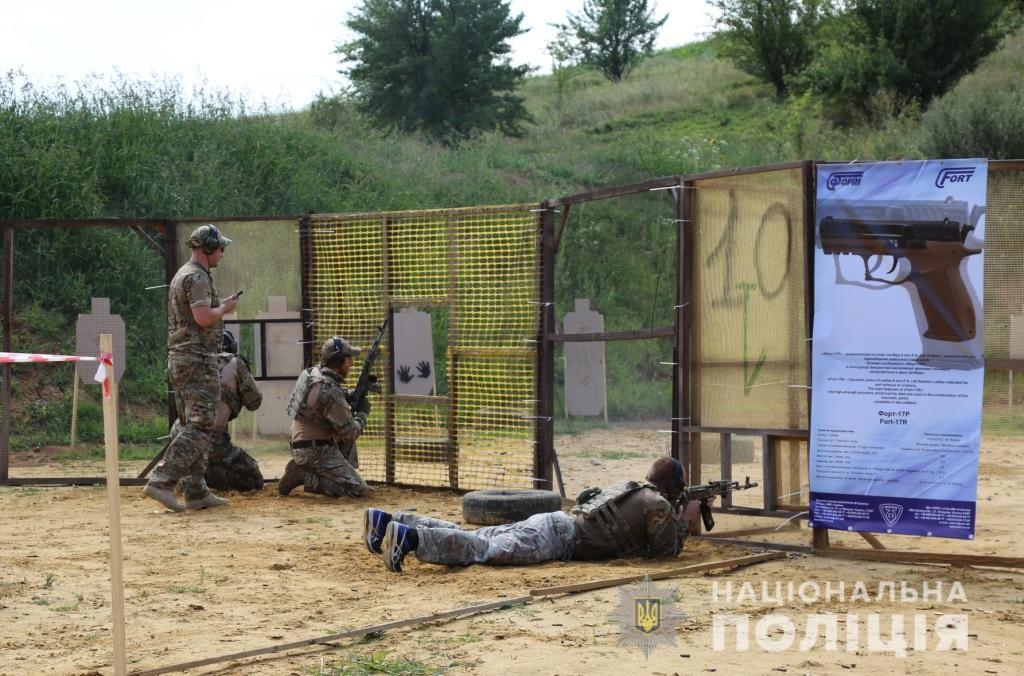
(705, 492)
(367, 382)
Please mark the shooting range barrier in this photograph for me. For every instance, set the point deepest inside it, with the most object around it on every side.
(720, 353)
(722, 348)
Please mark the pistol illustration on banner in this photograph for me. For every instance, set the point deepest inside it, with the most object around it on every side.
(932, 241)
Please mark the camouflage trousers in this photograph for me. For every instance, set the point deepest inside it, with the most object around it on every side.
(196, 385)
(229, 467)
(327, 472)
(542, 537)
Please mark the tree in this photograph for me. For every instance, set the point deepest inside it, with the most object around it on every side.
(771, 39)
(441, 67)
(610, 35)
(902, 52)
(930, 43)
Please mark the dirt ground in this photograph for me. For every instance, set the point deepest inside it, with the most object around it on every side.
(266, 571)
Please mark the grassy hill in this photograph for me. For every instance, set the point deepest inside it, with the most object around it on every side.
(148, 149)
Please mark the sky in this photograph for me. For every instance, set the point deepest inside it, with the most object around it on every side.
(263, 51)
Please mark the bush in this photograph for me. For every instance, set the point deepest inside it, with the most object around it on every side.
(983, 115)
(983, 123)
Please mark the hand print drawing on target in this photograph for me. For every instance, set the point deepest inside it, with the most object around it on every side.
(414, 353)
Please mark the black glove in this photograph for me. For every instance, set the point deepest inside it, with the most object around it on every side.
(363, 407)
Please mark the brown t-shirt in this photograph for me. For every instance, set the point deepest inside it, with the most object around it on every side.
(191, 287)
(651, 522)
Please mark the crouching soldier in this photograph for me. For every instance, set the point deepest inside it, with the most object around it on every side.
(230, 467)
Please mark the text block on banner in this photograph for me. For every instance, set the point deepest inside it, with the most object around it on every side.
(898, 362)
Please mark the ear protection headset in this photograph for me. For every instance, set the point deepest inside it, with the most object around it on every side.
(212, 239)
(677, 477)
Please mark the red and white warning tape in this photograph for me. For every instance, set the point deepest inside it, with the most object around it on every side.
(106, 360)
(20, 357)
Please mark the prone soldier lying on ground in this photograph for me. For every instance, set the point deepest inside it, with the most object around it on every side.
(629, 518)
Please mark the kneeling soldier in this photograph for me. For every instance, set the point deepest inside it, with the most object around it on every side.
(323, 423)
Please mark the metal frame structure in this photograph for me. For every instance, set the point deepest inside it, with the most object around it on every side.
(686, 430)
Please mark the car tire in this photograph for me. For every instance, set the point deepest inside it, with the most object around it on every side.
(497, 506)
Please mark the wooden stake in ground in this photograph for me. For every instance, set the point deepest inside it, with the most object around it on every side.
(113, 501)
(74, 409)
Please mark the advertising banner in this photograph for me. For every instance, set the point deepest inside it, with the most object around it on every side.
(897, 365)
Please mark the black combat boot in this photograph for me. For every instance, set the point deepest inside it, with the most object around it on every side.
(294, 476)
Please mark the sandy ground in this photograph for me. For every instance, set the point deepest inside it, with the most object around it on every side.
(267, 571)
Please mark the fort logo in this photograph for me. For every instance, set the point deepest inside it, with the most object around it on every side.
(953, 175)
(842, 178)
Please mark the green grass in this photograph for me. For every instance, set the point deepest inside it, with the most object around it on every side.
(378, 662)
(69, 607)
(621, 455)
(191, 589)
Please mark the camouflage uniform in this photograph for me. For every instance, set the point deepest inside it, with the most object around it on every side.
(632, 512)
(230, 467)
(322, 424)
(193, 372)
(626, 519)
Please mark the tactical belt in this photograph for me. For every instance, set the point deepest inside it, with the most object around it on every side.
(311, 442)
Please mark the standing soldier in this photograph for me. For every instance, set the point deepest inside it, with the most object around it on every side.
(323, 423)
(195, 322)
(230, 467)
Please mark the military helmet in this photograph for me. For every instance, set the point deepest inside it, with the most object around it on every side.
(337, 347)
(228, 343)
(208, 238)
(668, 475)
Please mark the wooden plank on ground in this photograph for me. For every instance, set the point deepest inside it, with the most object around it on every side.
(354, 633)
(660, 575)
(892, 555)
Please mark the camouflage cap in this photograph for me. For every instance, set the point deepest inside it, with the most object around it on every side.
(208, 237)
(337, 346)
